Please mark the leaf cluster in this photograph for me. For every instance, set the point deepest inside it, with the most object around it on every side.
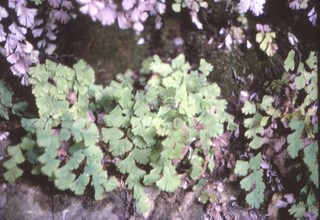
(7, 103)
(148, 133)
(298, 118)
(159, 125)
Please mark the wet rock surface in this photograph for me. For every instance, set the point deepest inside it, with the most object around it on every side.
(25, 200)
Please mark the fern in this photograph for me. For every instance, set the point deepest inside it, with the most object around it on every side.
(148, 132)
(154, 125)
(263, 119)
(62, 97)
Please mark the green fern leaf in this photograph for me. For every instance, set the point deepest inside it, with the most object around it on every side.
(75, 160)
(247, 182)
(77, 128)
(256, 142)
(16, 154)
(205, 67)
(117, 118)
(249, 108)
(169, 181)
(12, 174)
(51, 165)
(84, 73)
(294, 139)
(298, 210)
(80, 184)
(310, 159)
(47, 140)
(125, 166)
(197, 167)
(91, 135)
(111, 135)
(120, 147)
(141, 155)
(64, 178)
(178, 62)
(289, 62)
(255, 198)
(153, 176)
(241, 168)
(255, 162)
(312, 60)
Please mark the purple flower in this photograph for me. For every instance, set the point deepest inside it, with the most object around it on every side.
(3, 13)
(67, 4)
(295, 5)
(26, 16)
(256, 6)
(19, 68)
(313, 16)
(61, 16)
(14, 57)
(17, 31)
(54, 3)
(128, 4)
(108, 14)
(91, 7)
(123, 22)
(11, 43)
(37, 32)
(2, 34)
(138, 27)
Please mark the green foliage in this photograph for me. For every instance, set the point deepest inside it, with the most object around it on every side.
(37, 2)
(253, 182)
(66, 137)
(16, 157)
(7, 104)
(179, 4)
(298, 117)
(154, 126)
(266, 41)
(148, 132)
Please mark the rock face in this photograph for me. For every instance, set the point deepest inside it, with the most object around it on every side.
(25, 201)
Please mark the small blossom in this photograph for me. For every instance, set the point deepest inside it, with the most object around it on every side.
(178, 41)
(26, 16)
(263, 28)
(37, 32)
(128, 4)
(67, 4)
(138, 27)
(54, 3)
(3, 13)
(228, 41)
(91, 7)
(195, 19)
(108, 15)
(11, 43)
(158, 22)
(13, 58)
(2, 34)
(4, 135)
(294, 5)
(123, 21)
(61, 16)
(50, 48)
(313, 16)
(256, 6)
(19, 68)
(17, 31)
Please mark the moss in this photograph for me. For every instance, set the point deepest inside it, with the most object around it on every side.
(108, 50)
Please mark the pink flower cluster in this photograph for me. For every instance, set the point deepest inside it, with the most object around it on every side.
(132, 14)
(255, 6)
(19, 52)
